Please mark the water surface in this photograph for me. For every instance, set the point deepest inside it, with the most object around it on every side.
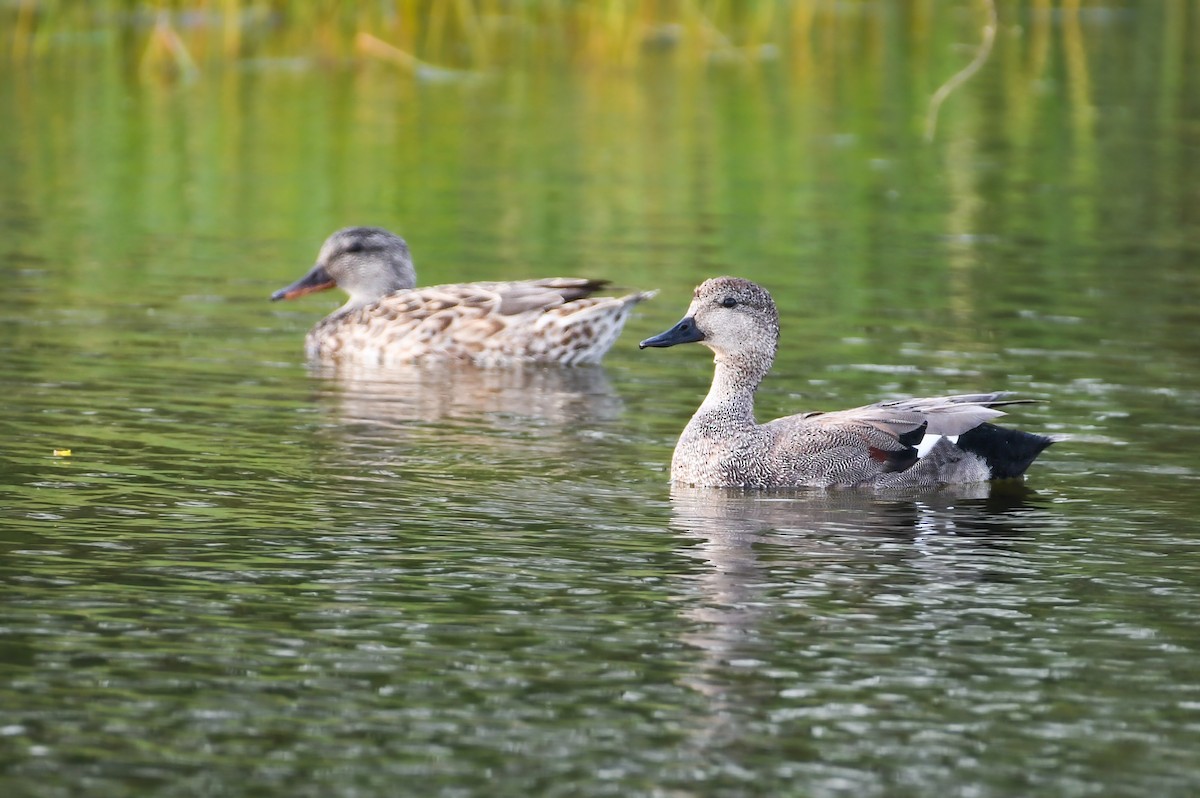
(255, 576)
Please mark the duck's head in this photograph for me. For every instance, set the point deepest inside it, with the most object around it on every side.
(733, 317)
(366, 262)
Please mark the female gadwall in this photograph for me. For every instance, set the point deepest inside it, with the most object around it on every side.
(874, 446)
(389, 321)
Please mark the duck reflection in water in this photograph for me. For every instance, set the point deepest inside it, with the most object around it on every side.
(772, 559)
(379, 402)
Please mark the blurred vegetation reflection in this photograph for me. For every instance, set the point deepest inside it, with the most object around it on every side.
(738, 127)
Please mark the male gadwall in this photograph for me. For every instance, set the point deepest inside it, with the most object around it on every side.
(389, 321)
(874, 446)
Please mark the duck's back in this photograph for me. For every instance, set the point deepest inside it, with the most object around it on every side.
(874, 445)
(796, 451)
(488, 323)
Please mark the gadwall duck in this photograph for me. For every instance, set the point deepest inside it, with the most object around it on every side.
(908, 443)
(389, 321)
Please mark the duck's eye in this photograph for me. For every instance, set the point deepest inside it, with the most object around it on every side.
(728, 302)
(355, 246)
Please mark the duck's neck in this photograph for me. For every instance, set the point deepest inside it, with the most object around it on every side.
(358, 300)
(368, 291)
(729, 405)
(369, 295)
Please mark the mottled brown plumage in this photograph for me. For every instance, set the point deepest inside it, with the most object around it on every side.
(874, 445)
(389, 321)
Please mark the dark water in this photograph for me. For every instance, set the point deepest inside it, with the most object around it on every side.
(255, 577)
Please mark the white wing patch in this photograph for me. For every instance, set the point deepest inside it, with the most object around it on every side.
(929, 441)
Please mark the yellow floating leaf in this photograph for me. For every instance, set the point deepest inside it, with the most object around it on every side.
(62, 452)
